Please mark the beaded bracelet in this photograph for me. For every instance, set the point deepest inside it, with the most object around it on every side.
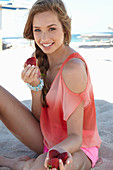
(38, 87)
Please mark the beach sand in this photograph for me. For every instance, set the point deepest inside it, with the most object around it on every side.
(100, 63)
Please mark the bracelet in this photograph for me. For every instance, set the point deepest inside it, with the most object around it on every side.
(38, 87)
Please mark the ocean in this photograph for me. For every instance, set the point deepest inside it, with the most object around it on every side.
(15, 41)
(77, 37)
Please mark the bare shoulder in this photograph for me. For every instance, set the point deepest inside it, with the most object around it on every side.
(75, 75)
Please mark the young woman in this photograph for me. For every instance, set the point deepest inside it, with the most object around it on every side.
(63, 109)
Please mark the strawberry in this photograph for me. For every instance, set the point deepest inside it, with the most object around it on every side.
(53, 163)
(31, 61)
(53, 153)
(63, 156)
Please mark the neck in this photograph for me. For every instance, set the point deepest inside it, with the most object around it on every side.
(58, 56)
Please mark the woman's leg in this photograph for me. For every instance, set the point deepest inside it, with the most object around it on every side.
(14, 164)
(35, 164)
(80, 162)
(26, 128)
(19, 120)
(24, 163)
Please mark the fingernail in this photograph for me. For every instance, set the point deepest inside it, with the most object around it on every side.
(33, 66)
(68, 162)
(29, 65)
(60, 160)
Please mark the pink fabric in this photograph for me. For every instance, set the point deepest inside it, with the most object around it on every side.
(45, 149)
(92, 153)
(62, 102)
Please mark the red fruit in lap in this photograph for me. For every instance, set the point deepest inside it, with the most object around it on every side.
(53, 153)
(31, 61)
(63, 156)
(53, 163)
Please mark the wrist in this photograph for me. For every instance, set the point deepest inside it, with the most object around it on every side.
(35, 83)
(37, 87)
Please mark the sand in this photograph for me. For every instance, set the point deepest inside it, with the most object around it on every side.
(100, 63)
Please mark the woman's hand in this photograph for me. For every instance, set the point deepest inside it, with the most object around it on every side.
(30, 74)
(61, 165)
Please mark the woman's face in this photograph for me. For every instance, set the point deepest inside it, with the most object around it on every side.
(48, 32)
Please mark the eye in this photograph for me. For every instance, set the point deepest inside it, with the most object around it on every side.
(37, 30)
(52, 29)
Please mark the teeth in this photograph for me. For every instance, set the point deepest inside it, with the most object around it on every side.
(46, 45)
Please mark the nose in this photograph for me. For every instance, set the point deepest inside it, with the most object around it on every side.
(44, 36)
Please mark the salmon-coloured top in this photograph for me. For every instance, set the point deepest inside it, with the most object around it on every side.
(62, 102)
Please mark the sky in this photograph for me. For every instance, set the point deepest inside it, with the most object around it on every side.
(87, 15)
(90, 15)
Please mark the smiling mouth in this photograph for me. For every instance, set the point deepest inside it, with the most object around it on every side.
(47, 45)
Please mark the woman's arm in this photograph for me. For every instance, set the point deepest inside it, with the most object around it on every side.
(30, 75)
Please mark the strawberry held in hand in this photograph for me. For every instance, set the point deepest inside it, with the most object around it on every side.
(54, 157)
(53, 163)
(53, 153)
(31, 61)
(63, 156)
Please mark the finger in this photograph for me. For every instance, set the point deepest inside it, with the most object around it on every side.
(25, 65)
(25, 70)
(35, 73)
(46, 162)
(68, 161)
(61, 165)
(28, 73)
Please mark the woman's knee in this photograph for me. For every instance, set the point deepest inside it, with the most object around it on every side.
(39, 162)
(80, 162)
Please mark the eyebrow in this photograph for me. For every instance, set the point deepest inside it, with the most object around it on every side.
(47, 26)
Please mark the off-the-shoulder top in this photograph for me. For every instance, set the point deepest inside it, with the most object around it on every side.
(62, 102)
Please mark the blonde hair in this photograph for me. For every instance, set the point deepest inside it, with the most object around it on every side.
(58, 7)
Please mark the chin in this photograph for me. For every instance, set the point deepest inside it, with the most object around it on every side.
(48, 51)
